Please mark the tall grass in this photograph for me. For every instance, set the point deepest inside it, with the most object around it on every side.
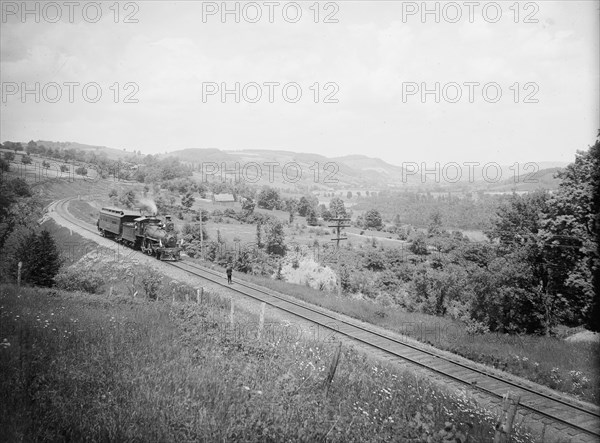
(566, 366)
(77, 367)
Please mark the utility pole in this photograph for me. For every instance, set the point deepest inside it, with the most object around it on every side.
(201, 237)
(340, 223)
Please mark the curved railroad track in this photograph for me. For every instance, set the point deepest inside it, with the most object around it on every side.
(576, 419)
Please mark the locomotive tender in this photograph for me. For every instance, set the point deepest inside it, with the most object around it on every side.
(147, 233)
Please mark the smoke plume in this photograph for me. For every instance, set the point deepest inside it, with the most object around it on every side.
(148, 204)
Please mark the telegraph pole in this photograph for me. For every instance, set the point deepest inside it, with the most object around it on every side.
(341, 222)
(201, 237)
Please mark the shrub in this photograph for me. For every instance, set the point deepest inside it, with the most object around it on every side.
(151, 283)
(74, 279)
(418, 245)
(306, 271)
(230, 213)
(474, 327)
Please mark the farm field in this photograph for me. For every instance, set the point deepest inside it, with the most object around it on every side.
(80, 366)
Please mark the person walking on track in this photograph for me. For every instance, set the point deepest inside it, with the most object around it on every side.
(229, 272)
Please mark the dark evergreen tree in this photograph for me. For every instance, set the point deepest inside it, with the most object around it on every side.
(40, 259)
(275, 238)
(46, 260)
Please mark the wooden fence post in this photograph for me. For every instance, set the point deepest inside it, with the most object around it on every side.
(231, 314)
(332, 368)
(261, 321)
(198, 296)
(110, 292)
(507, 416)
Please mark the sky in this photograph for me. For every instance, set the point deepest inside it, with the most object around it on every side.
(403, 81)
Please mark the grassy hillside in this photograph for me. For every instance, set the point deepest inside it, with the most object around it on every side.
(77, 367)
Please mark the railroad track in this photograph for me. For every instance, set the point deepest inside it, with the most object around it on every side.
(573, 418)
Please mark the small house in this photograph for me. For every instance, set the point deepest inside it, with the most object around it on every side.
(223, 199)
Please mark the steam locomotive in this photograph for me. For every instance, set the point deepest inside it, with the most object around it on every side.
(149, 234)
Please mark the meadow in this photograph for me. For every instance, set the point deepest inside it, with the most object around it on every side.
(90, 367)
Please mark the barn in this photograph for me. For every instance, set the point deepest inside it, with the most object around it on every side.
(223, 199)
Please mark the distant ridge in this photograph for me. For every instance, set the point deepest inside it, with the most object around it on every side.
(352, 171)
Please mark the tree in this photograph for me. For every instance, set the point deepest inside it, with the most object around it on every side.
(17, 147)
(290, 204)
(248, 206)
(373, 219)
(324, 212)
(268, 198)
(112, 193)
(64, 168)
(9, 156)
(188, 200)
(26, 159)
(435, 224)
(47, 260)
(4, 165)
(275, 238)
(45, 164)
(193, 236)
(570, 230)
(10, 192)
(128, 199)
(81, 170)
(532, 275)
(40, 259)
(304, 205)
(337, 208)
(418, 245)
(259, 243)
(311, 217)
(32, 147)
